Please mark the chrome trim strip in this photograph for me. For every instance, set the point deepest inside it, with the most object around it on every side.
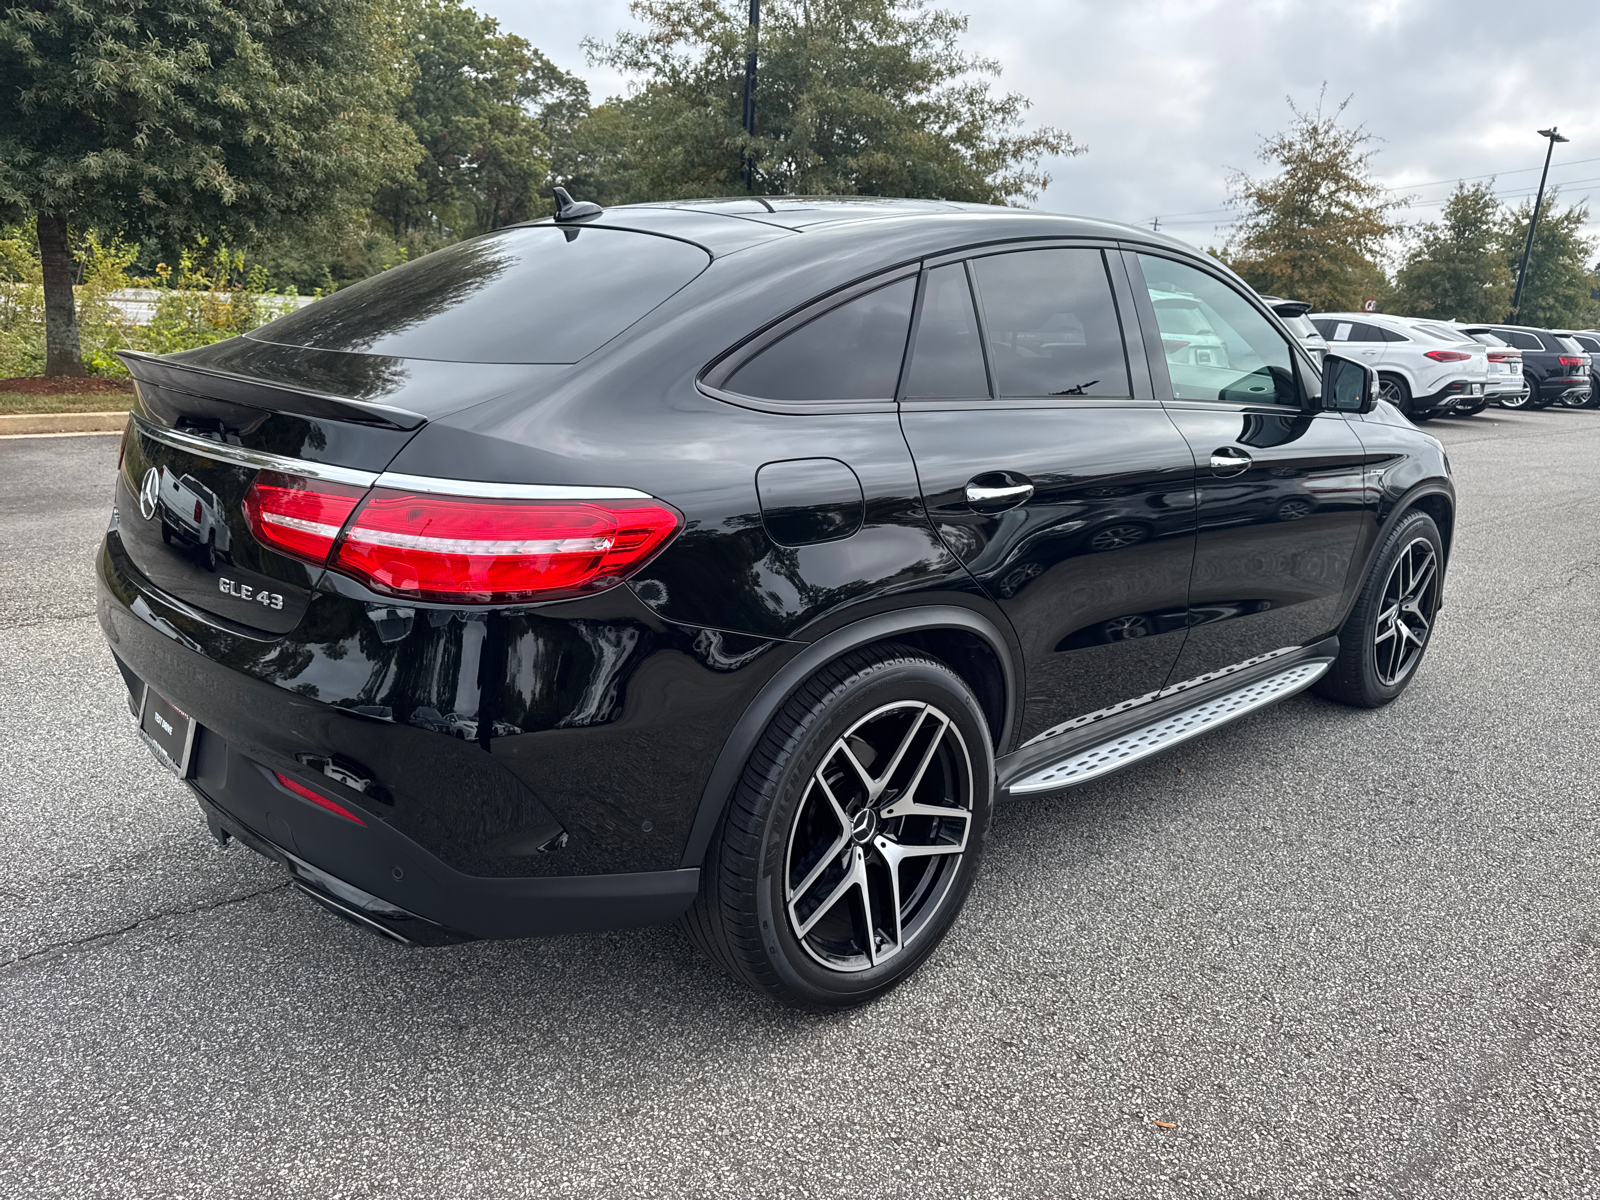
(505, 491)
(258, 459)
(263, 461)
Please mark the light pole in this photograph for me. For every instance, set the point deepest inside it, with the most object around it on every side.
(1533, 225)
(749, 171)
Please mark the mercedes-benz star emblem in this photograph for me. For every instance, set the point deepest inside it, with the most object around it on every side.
(149, 493)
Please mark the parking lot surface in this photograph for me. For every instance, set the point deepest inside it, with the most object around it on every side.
(1341, 952)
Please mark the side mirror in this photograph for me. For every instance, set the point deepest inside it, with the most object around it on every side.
(1348, 386)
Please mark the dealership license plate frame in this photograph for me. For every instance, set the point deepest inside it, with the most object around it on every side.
(163, 734)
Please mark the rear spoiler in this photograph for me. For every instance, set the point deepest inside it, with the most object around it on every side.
(209, 383)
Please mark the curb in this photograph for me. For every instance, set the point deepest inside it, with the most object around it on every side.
(97, 422)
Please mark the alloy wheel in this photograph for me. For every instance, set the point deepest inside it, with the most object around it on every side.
(878, 836)
(1406, 612)
(1390, 390)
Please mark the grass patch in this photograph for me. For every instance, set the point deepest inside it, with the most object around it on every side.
(12, 403)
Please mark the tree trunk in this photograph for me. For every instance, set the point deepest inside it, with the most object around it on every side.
(62, 355)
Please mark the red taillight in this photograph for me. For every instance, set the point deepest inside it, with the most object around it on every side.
(1173, 345)
(301, 517)
(1447, 356)
(305, 793)
(197, 512)
(1510, 358)
(429, 547)
(1566, 360)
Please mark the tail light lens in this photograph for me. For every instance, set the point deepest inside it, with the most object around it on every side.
(321, 801)
(429, 547)
(299, 517)
(1173, 345)
(1510, 358)
(197, 512)
(1447, 356)
(1567, 360)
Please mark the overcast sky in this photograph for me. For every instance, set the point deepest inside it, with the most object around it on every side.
(1170, 97)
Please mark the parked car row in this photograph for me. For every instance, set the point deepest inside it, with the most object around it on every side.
(1428, 368)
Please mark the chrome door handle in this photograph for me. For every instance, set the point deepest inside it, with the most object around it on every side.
(1007, 495)
(1228, 461)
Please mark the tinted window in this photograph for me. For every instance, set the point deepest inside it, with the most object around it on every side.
(1592, 345)
(1388, 335)
(947, 360)
(1522, 341)
(1487, 339)
(1300, 326)
(1360, 331)
(1218, 345)
(851, 352)
(1325, 327)
(531, 294)
(1441, 333)
(1051, 324)
(1569, 345)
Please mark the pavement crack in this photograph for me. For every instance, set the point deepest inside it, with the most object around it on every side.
(147, 920)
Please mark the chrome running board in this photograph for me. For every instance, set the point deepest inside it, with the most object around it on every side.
(1160, 735)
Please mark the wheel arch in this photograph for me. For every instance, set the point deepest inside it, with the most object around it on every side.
(966, 641)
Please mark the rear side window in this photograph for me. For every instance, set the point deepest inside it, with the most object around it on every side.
(1570, 345)
(1051, 324)
(947, 362)
(852, 352)
(1522, 341)
(1592, 345)
(532, 294)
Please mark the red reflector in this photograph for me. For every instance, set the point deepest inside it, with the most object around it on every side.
(300, 517)
(451, 548)
(305, 793)
(1568, 361)
(1447, 356)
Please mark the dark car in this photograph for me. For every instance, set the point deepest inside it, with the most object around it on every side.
(721, 562)
(1555, 367)
(1587, 340)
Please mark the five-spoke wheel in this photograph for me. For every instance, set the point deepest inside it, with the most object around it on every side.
(877, 836)
(1410, 599)
(850, 843)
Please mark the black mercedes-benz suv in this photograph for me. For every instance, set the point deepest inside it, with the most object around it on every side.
(722, 562)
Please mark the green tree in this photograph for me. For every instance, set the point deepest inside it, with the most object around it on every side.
(479, 102)
(868, 97)
(167, 119)
(1314, 231)
(1456, 266)
(1555, 292)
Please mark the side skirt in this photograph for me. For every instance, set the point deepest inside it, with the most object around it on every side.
(1176, 715)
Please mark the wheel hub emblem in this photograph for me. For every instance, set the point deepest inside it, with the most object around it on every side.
(864, 826)
(149, 493)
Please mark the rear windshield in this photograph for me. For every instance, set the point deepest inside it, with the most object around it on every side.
(534, 294)
(1439, 332)
(1570, 345)
(1301, 326)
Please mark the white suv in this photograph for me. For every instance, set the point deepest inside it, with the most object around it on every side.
(1424, 372)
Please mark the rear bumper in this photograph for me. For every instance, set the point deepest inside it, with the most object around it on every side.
(380, 879)
(1452, 394)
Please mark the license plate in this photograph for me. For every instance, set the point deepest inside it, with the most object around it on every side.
(167, 730)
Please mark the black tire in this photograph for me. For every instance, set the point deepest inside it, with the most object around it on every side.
(749, 921)
(166, 534)
(1535, 399)
(1364, 674)
(1397, 392)
(209, 551)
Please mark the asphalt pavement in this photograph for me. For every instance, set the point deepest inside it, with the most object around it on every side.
(1342, 953)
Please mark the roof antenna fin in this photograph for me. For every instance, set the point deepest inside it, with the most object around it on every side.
(568, 209)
